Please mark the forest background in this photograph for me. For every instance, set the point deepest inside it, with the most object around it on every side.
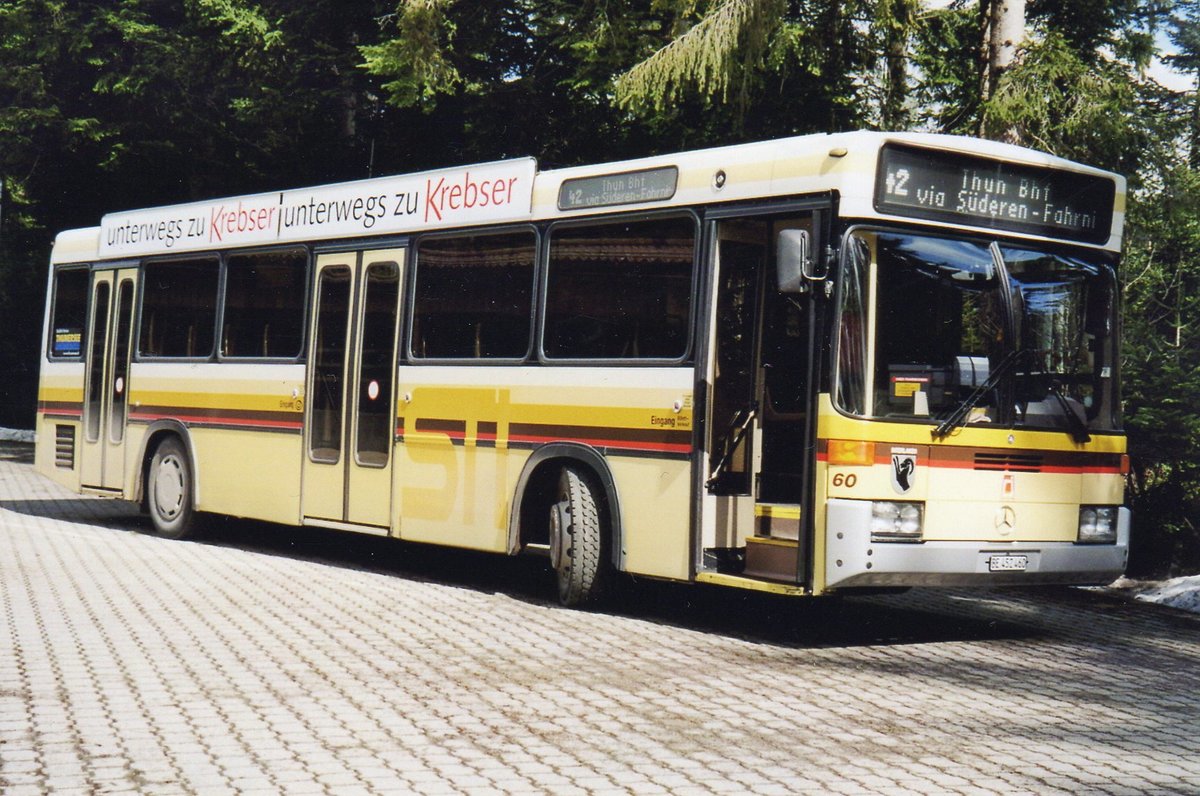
(108, 105)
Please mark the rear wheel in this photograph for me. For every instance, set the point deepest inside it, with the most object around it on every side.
(169, 490)
(576, 538)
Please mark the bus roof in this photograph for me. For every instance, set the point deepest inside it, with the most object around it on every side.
(514, 191)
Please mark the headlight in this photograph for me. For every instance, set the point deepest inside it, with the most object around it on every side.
(892, 521)
(1097, 524)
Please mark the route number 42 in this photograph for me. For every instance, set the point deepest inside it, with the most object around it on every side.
(897, 182)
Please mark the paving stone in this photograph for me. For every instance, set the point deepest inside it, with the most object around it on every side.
(275, 660)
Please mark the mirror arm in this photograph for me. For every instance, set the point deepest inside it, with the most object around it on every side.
(820, 265)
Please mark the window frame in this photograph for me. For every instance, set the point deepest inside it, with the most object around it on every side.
(960, 234)
(405, 349)
(364, 269)
(871, 305)
(117, 425)
(86, 269)
(92, 418)
(143, 281)
(694, 297)
(311, 404)
(305, 308)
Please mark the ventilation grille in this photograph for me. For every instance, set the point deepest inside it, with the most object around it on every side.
(1012, 462)
(64, 447)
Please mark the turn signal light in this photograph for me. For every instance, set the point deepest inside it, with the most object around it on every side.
(847, 451)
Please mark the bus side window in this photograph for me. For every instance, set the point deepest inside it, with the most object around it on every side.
(474, 296)
(264, 304)
(620, 290)
(69, 317)
(179, 308)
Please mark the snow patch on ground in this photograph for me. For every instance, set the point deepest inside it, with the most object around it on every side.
(1182, 593)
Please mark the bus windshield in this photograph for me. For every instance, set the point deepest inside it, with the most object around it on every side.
(960, 331)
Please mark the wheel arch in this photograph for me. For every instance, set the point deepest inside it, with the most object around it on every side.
(543, 464)
(155, 433)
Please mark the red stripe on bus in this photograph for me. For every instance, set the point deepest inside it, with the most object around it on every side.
(215, 420)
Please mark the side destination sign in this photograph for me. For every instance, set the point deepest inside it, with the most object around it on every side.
(981, 192)
(630, 187)
(490, 192)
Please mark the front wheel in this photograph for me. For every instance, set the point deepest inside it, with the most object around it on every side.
(576, 538)
(169, 490)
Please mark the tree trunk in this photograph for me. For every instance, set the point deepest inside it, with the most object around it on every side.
(898, 20)
(1004, 31)
(1005, 34)
(1194, 154)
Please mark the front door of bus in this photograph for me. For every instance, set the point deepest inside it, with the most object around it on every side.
(758, 440)
(350, 406)
(109, 347)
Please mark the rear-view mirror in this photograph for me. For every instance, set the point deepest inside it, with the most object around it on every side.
(795, 264)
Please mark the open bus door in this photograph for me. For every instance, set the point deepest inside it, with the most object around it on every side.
(110, 337)
(758, 448)
(350, 402)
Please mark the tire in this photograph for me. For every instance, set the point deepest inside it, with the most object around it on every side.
(169, 490)
(576, 539)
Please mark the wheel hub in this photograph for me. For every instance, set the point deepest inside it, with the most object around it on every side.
(559, 522)
(168, 488)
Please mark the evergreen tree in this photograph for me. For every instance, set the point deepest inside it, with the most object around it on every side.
(769, 67)
(105, 106)
(1185, 34)
(1161, 362)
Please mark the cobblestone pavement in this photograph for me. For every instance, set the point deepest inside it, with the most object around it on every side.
(269, 660)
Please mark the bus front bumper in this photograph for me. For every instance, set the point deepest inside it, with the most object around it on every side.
(853, 560)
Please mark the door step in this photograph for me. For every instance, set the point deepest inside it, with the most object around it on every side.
(750, 584)
(777, 520)
(771, 559)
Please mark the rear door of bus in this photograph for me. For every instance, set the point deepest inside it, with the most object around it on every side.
(109, 348)
(350, 402)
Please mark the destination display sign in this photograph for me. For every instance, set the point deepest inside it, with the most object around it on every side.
(489, 192)
(977, 191)
(630, 187)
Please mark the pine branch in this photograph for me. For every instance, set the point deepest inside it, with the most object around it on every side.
(705, 58)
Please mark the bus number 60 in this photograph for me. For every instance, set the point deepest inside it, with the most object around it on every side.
(847, 480)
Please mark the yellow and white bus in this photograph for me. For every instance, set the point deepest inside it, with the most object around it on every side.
(803, 366)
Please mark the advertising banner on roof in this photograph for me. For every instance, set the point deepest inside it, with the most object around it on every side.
(485, 193)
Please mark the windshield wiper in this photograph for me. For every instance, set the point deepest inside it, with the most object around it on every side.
(959, 416)
(1077, 428)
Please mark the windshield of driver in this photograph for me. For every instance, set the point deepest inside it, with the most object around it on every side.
(1063, 309)
(925, 321)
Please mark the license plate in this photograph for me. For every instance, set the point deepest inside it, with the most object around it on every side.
(1008, 563)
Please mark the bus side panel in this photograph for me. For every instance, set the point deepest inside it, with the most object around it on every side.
(59, 428)
(654, 507)
(455, 466)
(244, 424)
(467, 432)
(249, 474)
